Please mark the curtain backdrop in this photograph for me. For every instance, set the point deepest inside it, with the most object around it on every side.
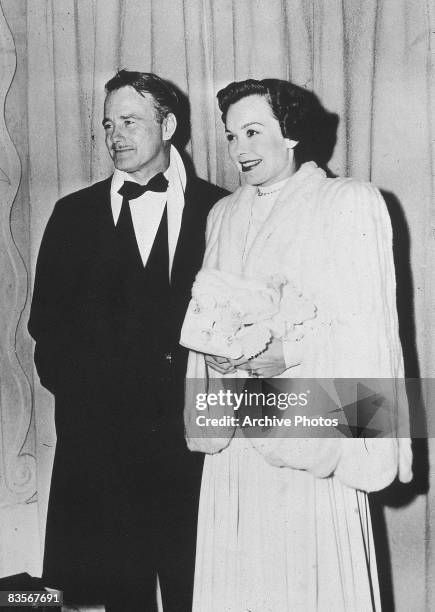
(368, 61)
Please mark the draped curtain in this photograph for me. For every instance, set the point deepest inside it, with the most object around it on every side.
(369, 62)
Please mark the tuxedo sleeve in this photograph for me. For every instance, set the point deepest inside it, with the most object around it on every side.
(49, 318)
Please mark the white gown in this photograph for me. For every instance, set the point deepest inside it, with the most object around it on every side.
(284, 524)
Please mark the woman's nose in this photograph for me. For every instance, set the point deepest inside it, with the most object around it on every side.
(241, 147)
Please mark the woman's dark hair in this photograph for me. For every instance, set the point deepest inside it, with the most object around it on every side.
(300, 115)
(166, 99)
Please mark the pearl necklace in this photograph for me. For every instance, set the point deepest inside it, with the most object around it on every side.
(266, 193)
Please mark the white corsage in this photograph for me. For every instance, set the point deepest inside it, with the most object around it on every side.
(233, 316)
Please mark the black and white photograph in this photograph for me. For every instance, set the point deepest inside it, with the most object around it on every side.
(217, 291)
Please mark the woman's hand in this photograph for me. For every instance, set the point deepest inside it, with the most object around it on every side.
(223, 365)
(269, 363)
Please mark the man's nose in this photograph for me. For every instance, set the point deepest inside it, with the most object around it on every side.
(117, 133)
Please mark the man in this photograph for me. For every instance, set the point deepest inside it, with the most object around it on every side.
(112, 285)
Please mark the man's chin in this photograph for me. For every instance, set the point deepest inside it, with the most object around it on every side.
(124, 166)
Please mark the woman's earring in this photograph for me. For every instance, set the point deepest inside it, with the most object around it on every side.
(290, 144)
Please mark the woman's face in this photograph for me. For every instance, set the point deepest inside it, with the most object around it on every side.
(255, 142)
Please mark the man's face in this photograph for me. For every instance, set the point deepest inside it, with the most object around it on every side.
(137, 142)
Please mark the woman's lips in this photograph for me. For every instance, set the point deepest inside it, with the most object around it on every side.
(249, 165)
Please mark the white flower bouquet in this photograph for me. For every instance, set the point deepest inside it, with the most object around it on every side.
(234, 316)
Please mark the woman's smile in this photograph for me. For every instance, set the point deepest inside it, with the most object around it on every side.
(246, 166)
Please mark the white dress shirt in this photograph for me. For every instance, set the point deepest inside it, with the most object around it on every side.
(147, 210)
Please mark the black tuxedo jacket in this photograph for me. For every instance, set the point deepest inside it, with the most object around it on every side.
(118, 406)
(61, 312)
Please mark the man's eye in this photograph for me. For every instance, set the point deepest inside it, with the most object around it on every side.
(107, 126)
(250, 133)
(129, 122)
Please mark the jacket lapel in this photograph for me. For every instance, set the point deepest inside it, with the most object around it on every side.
(191, 240)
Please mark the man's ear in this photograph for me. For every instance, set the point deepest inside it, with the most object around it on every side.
(169, 125)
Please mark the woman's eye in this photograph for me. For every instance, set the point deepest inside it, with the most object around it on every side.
(230, 137)
(250, 133)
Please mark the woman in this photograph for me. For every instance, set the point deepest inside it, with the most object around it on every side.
(284, 523)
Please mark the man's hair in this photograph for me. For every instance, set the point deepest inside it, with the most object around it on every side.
(165, 97)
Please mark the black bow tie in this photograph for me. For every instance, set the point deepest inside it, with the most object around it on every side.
(131, 190)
